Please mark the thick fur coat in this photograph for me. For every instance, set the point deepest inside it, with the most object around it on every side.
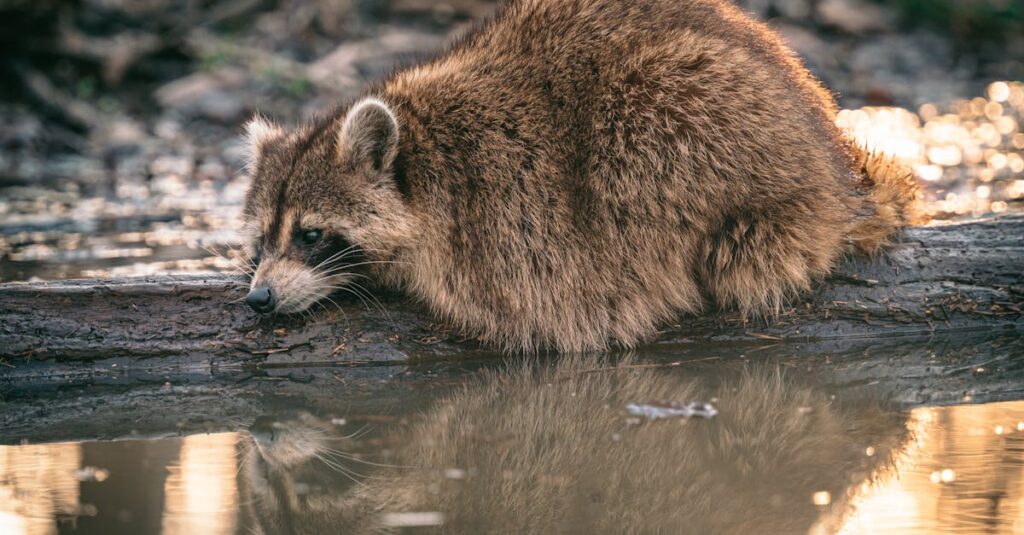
(574, 173)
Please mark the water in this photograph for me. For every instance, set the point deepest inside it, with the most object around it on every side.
(544, 447)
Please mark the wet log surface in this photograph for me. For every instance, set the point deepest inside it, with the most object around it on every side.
(935, 320)
(941, 279)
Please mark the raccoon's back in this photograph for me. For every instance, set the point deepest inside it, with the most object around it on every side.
(565, 85)
(570, 37)
(573, 156)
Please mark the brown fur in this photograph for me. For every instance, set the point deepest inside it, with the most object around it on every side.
(553, 452)
(580, 171)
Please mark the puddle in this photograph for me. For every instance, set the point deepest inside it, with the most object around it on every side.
(549, 448)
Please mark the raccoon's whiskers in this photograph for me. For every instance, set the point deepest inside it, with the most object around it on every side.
(214, 252)
(357, 289)
(333, 302)
(358, 295)
(352, 287)
(308, 315)
(323, 276)
(371, 262)
(245, 269)
(349, 457)
(362, 297)
(336, 256)
(332, 269)
(240, 461)
(359, 433)
(338, 467)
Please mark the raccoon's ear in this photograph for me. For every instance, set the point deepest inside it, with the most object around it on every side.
(259, 134)
(369, 136)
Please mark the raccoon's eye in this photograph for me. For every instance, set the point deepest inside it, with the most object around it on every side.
(310, 237)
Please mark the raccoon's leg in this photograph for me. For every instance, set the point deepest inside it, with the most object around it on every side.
(756, 263)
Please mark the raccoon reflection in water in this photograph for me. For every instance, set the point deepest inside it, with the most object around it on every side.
(552, 451)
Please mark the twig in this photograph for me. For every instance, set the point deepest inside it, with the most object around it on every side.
(764, 336)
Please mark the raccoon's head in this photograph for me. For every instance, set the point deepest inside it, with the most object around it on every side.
(289, 440)
(325, 207)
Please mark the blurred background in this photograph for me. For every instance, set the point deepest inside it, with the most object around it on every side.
(119, 119)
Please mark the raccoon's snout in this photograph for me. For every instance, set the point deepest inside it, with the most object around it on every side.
(261, 299)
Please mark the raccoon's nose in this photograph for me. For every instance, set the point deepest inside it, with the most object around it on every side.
(261, 299)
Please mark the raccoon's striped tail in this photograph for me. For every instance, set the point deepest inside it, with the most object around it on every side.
(891, 191)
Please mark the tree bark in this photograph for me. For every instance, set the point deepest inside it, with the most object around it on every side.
(937, 279)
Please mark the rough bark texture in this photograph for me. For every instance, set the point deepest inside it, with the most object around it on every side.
(938, 279)
(936, 320)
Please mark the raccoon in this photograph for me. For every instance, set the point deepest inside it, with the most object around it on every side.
(553, 451)
(572, 174)
(291, 476)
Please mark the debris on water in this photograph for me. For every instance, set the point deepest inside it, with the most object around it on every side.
(92, 473)
(455, 473)
(412, 520)
(822, 498)
(672, 409)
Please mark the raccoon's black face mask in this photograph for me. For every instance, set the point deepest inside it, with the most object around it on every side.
(323, 211)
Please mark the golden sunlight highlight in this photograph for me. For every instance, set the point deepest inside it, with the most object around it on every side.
(969, 155)
(962, 471)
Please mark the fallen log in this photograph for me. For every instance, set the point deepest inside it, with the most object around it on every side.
(937, 279)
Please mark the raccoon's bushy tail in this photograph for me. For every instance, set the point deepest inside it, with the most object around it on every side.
(891, 191)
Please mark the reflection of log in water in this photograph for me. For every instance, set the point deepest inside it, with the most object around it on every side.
(967, 276)
(554, 452)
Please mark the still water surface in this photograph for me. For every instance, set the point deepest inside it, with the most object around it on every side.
(550, 450)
